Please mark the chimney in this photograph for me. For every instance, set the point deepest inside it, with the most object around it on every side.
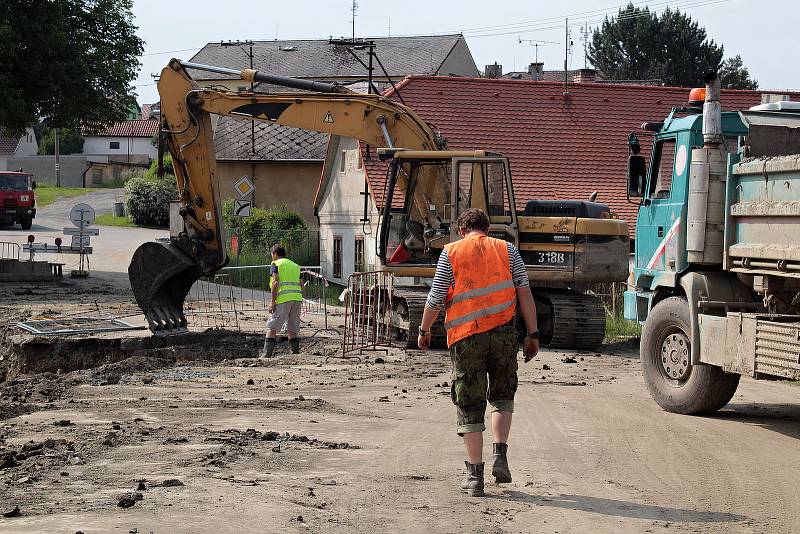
(494, 71)
(585, 75)
(536, 71)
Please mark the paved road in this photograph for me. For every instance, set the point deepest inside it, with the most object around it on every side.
(113, 248)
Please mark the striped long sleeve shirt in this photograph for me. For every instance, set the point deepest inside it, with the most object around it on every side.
(443, 279)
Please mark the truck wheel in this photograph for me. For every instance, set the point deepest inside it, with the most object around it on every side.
(665, 352)
(26, 224)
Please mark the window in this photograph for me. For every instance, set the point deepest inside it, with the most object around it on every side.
(662, 165)
(337, 256)
(113, 145)
(97, 176)
(358, 254)
(343, 164)
(496, 191)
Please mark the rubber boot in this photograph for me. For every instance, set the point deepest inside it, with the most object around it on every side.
(269, 347)
(500, 470)
(473, 483)
(294, 343)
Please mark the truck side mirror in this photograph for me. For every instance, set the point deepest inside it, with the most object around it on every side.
(33, 184)
(637, 170)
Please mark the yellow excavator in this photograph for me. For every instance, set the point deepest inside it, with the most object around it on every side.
(564, 243)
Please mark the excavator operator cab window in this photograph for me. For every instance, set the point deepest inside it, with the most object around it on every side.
(483, 185)
(421, 212)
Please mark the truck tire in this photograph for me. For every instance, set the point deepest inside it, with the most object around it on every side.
(665, 353)
(26, 224)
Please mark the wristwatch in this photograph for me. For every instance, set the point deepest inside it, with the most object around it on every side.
(424, 332)
(534, 334)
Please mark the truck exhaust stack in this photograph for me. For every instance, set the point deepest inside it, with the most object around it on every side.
(712, 112)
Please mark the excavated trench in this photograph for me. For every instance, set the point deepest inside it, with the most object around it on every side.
(25, 355)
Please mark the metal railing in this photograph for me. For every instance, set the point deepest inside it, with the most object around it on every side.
(9, 251)
(368, 311)
(232, 292)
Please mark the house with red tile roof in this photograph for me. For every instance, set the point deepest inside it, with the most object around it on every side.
(131, 140)
(561, 145)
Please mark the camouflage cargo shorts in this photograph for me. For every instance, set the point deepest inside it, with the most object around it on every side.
(484, 367)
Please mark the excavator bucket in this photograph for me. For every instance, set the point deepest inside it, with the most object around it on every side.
(161, 276)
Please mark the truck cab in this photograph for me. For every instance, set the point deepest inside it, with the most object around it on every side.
(663, 194)
(17, 199)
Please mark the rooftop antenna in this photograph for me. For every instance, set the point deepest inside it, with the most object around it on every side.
(586, 32)
(567, 49)
(354, 9)
(390, 26)
(535, 43)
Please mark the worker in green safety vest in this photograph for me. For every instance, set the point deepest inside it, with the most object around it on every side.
(287, 299)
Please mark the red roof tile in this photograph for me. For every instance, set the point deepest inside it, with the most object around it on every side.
(133, 128)
(560, 147)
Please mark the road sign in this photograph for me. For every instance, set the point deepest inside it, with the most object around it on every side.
(241, 208)
(244, 186)
(81, 215)
(81, 231)
(79, 241)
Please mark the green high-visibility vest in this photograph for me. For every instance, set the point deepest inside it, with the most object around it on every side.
(289, 288)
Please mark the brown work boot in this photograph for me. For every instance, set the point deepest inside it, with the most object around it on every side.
(500, 470)
(473, 483)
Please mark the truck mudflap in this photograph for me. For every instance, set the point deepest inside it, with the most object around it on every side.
(752, 344)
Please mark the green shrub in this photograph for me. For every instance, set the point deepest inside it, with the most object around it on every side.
(148, 200)
(265, 228)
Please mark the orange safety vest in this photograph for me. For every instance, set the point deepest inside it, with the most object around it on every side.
(484, 295)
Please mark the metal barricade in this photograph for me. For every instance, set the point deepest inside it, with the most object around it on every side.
(367, 318)
(9, 251)
(211, 303)
(244, 290)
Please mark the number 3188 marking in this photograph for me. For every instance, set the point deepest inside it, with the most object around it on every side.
(551, 257)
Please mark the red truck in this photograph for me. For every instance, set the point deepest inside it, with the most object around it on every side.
(17, 201)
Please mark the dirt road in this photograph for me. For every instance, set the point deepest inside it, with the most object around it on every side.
(343, 446)
(113, 247)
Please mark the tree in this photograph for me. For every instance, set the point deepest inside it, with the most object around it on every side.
(641, 45)
(734, 75)
(69, 142)
(70, 60)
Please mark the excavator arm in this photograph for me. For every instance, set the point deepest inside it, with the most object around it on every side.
(162, 274)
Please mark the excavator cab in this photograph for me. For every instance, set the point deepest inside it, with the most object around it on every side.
(426, 192)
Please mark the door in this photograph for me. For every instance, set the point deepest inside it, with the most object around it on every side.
(658, 223)
(485, 183)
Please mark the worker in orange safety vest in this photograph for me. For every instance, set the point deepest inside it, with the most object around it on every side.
(479, 280)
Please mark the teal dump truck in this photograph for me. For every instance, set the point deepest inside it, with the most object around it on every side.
(716, 274)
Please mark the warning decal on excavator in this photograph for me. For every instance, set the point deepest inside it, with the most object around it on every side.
(328, 118)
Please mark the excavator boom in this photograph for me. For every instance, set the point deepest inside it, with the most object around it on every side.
(162, 273)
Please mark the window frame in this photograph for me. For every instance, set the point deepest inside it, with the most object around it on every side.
(655, 181)
(111, 145)
(337, 256)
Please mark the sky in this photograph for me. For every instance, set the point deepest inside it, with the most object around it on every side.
(179, 28)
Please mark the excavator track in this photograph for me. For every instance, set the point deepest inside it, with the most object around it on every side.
(567, 319)
(408, 304)
(570, 320)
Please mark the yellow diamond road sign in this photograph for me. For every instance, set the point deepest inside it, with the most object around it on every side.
(244, 186)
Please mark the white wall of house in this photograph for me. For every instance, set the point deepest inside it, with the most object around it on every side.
(126, 145)
(27, 144)
(341, 208)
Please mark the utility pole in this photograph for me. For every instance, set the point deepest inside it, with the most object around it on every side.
(249, 53)
(567, 46)
(58, 166)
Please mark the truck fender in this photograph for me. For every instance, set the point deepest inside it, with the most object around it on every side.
(715, 286)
